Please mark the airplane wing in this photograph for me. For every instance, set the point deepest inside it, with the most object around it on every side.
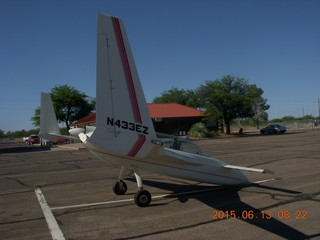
(179, 157)
(184, 158)
(259, 170)
(191, 159)
(170, 156)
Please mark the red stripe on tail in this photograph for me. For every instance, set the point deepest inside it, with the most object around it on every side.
(130, 84)
(127, 70)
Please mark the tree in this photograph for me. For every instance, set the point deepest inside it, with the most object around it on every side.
(229, 98)
(259, 105)
(174, 95)
(69, 104)
(288, 118)
(307, 117)
(1, 133)
(36, 117)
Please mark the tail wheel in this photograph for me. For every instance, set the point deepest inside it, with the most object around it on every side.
(142, 198)
(119, 187)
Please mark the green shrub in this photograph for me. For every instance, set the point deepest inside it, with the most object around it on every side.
(198, 130)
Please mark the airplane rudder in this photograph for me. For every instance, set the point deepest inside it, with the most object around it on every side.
(48, 120)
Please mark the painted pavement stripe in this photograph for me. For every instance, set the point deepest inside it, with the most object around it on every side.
(53, 226)
(154, 197)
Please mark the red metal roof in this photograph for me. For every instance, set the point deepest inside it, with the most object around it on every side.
(172, 110)
(88, 119)
(158, 110)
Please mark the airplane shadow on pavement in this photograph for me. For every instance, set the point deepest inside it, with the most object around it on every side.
(228, 199)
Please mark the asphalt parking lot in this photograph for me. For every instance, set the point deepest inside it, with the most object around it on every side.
(78, 190)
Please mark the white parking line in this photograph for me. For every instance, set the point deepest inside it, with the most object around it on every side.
(53, 226)
(55, 230)
(92, 204)
(154, 197)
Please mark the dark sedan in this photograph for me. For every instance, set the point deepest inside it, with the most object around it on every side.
(275, 128)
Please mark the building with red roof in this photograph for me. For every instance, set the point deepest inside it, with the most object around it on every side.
(172, 110)
(171, 118)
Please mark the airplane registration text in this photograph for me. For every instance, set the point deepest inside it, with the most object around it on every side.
(135, 127)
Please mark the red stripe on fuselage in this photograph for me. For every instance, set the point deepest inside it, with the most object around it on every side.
(130, 84)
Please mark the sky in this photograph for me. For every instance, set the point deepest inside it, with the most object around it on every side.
(275, 44)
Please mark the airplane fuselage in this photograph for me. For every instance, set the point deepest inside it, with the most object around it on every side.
(166, 161)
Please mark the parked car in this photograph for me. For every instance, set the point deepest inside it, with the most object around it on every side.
(60, 140)
(32, 139)
(275, 128)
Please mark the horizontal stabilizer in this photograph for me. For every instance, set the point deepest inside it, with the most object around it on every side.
(259, 170)
(63, 136)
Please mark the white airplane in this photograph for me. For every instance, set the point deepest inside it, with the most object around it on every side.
(124, 133)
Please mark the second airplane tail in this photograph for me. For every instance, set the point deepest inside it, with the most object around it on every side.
(48, 121)
(49, 129)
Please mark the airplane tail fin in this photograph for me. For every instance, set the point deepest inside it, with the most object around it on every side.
(48, 119)
(124, 125)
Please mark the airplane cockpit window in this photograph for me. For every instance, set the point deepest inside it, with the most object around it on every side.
(180, 144)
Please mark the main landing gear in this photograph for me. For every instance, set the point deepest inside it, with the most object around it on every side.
(142, 198)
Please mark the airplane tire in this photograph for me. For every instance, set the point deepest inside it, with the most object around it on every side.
(119, 188)
(142, 198)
